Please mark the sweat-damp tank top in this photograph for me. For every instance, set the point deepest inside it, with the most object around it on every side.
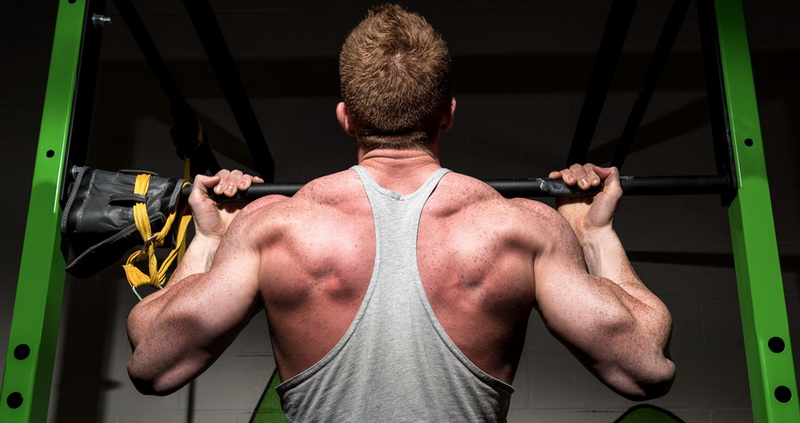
(395, 363)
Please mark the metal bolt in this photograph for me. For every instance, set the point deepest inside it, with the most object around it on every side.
(100, 20)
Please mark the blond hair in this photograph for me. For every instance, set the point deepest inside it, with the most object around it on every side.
(394, 71)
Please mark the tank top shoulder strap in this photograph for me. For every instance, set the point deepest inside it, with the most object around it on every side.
(374, 191)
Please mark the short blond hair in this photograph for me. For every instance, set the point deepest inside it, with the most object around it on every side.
(394, 71)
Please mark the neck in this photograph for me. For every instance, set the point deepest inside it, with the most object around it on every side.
(402, 171)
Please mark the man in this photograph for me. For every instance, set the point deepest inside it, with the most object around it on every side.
(397, 290)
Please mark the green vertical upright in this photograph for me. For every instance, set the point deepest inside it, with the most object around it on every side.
(773, 386)
(269, 407)
(37, 307)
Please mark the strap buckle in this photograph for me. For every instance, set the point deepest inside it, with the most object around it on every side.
(135, 292)
(149, 242)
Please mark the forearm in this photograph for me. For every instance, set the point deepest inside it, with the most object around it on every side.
(158, 335)
(165, 355)
(605, 256)
(198, 258)
(652, 375)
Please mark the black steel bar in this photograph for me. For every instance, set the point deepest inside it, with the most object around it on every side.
(186, 127)
(673, 185)
(657, 62)
(157, 65)
(219, 56)
(85, 85)
(534, 187)
(617, 24)
(717, 103)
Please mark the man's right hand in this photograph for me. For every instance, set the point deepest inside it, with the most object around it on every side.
(211, 218)
(587, 215)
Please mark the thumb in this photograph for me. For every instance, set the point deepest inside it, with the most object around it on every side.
(202, 183)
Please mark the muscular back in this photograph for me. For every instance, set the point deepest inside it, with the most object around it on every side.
(475, 253)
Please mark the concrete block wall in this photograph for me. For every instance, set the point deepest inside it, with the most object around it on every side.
(520, 72)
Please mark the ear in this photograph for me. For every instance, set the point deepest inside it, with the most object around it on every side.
(447, 119)
(344, 119)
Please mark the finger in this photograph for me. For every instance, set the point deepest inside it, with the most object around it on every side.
(613, 178)
(592, 176)
(611, 181)
(231, 183)
(203, 183)
(246, 181)
(200, 188)
(222, 175)
(566, 175)
(581, 175)
(554, 174)
(605, 172)
(602, 172)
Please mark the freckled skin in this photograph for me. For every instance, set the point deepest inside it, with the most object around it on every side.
(486, 262)
(477, 272)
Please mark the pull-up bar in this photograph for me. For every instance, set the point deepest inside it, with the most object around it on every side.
(631, 185)
(534, 187)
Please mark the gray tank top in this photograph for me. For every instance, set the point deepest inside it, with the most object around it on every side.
(395, 363)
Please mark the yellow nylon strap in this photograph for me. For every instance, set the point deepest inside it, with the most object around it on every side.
(156, 276)
(185, 218)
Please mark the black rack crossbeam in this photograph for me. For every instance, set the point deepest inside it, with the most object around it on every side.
(219, 56)
(157, 65)
(715, 88)
(533, 187)
(619, 20)
(186, 129)
(657, 62)
(83, 97)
